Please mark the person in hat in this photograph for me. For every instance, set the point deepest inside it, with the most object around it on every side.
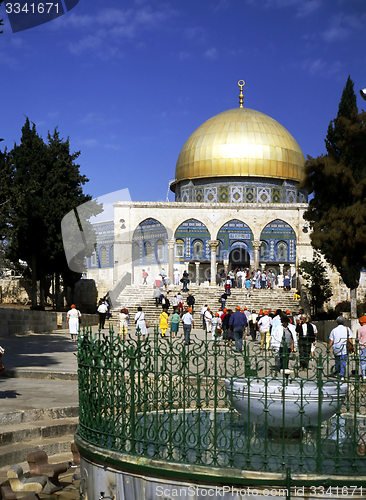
(72, 321)
(216, 327)
(208, 320)
(237, 322)
(361, 334)
(265, 324)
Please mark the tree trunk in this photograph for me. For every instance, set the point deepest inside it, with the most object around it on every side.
(34, 281)
(58, 292)
(354, 319)
(42, 292)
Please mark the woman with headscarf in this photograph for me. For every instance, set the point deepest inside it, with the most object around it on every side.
(72, 321)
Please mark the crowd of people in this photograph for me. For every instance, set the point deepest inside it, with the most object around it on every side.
(278, 331)
(260, 279)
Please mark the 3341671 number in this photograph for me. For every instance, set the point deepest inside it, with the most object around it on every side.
(33, 8)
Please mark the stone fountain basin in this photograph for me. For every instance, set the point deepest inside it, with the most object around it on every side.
(281, 403)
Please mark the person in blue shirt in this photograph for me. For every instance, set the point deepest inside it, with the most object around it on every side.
(237, 322)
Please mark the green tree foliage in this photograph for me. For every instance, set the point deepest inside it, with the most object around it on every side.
(317, 282)
(337, 212)
(45, 185)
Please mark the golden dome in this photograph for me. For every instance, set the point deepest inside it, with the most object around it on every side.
(240, 142)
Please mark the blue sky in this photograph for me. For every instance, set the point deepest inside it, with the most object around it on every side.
(129, 81)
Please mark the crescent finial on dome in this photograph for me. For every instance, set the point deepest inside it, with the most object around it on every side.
(241, 84)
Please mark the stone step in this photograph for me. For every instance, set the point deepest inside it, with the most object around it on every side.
(141, 295)
(37, 415)
(43, 429)
(49, 429)
(16, 453)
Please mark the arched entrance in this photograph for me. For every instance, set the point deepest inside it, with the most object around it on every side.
(239, 258)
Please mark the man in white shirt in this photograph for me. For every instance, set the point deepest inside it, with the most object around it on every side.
(283, 341)
(102, 310)
(264, 327)
(188, 324)
(202, 313)
(208, 319)
(338, 342)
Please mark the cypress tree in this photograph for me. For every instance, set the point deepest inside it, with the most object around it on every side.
(337, 211)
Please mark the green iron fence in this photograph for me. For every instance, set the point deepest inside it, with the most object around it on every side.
(165, 400)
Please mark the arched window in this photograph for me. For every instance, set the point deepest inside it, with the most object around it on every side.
(263, 251)
(148, 252)
(136, 252)
(103, 257)
(282, 250)
(160, 250)
(198, 249)
(179, 249)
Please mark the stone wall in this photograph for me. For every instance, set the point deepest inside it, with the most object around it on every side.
(325, 327)
(14, 291)
(19, 321)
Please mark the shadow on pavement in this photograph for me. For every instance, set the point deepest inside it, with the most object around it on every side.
(47, 350)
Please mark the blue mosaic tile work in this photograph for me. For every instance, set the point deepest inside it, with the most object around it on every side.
(246, 191)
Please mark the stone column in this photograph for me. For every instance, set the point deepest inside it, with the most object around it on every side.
(263, 266)
(171, 244)
(213, 244)
(197, 273)
(256, 245)
(281, 268)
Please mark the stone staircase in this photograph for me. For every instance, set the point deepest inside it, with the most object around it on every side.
(22, 432)
(134, 296)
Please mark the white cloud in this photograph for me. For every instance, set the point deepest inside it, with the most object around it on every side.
(196, 33)
(89, 143)
(211, 53)
(342, 26)
(121, 24)
(9, 61)
(115, 147)
(319, 67)
(98, 119)
(304, 7)
(184, 55)
(307, 8)
(90, 42)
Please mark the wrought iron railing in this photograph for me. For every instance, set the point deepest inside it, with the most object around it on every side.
(163, 399)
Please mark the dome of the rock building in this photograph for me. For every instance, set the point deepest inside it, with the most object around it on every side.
(239, 146)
